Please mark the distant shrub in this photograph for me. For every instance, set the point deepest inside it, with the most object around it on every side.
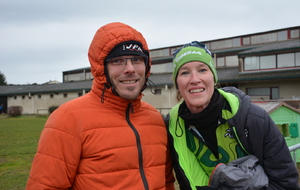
(15, 111)
(52, 108)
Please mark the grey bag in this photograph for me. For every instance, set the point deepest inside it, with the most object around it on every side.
(243, 174)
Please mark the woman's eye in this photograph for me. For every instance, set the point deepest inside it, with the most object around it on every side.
(184, 73)
(203, 70)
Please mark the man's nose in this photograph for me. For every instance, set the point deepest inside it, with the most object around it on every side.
(129, 66)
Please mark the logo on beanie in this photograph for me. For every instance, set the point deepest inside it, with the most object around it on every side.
(187, 53)
(132, 47)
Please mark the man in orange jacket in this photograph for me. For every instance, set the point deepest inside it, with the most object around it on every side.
(108, 138)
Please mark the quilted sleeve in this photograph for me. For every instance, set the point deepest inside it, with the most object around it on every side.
(58, 154)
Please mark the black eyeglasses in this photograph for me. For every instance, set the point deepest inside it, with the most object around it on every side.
(194, 44)
(121, 61)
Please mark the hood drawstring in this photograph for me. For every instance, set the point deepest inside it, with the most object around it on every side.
(150, 84)
(180, 127)
(106, 86)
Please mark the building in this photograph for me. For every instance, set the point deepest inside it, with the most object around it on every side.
(287, 119)
(36, 99)
(264, 65)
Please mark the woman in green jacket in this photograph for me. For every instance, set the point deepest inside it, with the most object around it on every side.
(213, 127)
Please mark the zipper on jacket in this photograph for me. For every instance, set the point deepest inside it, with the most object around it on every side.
(139, 146)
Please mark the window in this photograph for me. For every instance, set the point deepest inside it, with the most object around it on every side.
(79, 94)
(39, 96)
(267, 62)
(295, 33)
(272, 61)
(159, 53)
(286, 60)
(157, 91)
(221, 44)
(232, 60)
(88, 75)
(161, 68)
(220, 62)
(51, 95)
(236, 42)
(23, 97)
(282, 35)
(258, 91)
(227, 61)
(264, 38)
(246, 41)
(284, 129)
(74, 77)
(297, 58)
(15, 97)
(271, 92)
(251, 63)
(65, 95)
(274, 93)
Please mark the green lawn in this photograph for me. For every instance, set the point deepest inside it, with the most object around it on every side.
(18, 142)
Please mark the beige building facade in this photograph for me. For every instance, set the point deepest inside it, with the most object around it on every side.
(264, 65)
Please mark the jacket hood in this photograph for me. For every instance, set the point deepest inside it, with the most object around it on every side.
(105, 39)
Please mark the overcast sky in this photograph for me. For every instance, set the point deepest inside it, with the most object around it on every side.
(41, 39)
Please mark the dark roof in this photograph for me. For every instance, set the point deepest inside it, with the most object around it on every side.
(157, 60)
(278, 46)
(230, 74)
(158, 80)
(233, 75)
(45, 88)
(76, 70)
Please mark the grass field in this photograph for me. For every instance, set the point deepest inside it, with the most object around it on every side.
(18, 142)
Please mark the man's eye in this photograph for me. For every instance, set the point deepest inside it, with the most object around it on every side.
(203, 70)
(138, 59)
(116, 61)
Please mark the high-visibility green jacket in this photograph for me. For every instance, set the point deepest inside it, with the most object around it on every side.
(248, 130)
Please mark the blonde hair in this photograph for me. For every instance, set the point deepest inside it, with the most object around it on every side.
(178, 96)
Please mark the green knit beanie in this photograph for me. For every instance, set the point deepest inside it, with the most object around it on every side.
(194, 51)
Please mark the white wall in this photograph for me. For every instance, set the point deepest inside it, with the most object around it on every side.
(39, 105)
(164, 101)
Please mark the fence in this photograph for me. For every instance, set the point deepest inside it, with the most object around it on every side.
(293, 149)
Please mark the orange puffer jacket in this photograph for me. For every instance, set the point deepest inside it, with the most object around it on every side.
(101, 141)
